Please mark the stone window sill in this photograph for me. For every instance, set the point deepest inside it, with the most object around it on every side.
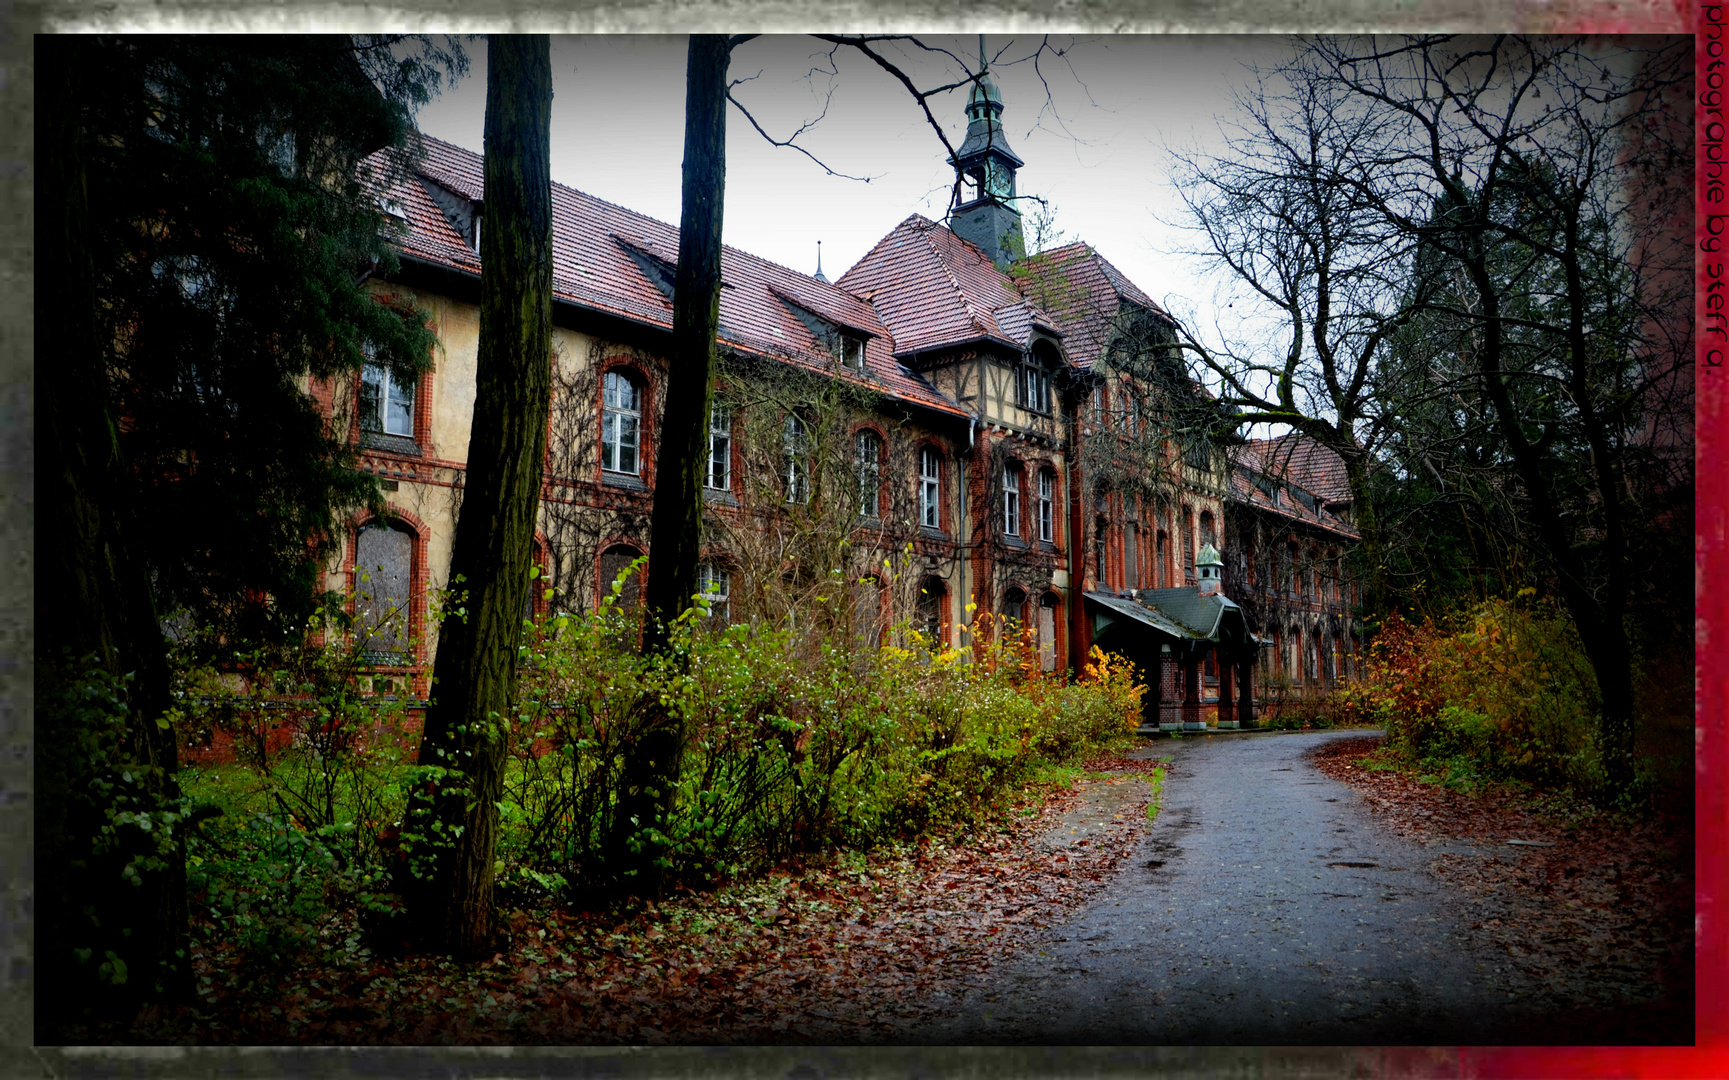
(627, 481)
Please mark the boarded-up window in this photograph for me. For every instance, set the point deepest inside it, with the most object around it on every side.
(1188, 552)
(383, 563)
(1131, 556)
(1048, 633)
(867, 612)
(932, 597)
(613, 562)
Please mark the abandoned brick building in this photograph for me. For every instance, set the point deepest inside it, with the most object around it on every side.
(949, 430)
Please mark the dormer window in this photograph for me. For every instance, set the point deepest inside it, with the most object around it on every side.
(659, 272)
(460, 209)
(1035, 388)
(850, 351)
(845, 344)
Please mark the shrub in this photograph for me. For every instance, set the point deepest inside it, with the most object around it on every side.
(1505, 686)
(790, 745)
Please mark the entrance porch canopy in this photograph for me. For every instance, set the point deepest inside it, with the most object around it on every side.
(1181, 618)
(1167, 633)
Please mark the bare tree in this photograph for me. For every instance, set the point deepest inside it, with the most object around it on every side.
(1550, 181)
(1290, 210)
(652, 765)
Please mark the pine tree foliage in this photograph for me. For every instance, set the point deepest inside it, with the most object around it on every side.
(234, 230)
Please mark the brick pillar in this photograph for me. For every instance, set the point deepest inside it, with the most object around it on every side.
(1170, 711)
(1191, 690)
(1225, 714)
(1246, 690)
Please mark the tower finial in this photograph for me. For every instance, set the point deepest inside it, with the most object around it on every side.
(984, 65)
(818, 274)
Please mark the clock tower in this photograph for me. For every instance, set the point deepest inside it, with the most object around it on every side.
(987, 215)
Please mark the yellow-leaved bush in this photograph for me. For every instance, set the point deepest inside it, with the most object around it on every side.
(1504, 686)
(791, 744)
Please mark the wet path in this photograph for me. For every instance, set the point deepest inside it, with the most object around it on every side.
(1264, 907)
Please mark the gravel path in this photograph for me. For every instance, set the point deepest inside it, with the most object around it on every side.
(1264, 907)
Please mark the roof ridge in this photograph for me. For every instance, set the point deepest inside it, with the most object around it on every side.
(954, 282)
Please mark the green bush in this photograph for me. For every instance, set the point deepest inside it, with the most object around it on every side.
(1501, 691)
(791, 745)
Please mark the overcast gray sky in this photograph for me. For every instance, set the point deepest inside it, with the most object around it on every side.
(1094, 146)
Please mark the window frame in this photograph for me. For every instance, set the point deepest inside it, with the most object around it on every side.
(1012, 474)
(930, 488)
(388, 381)
(1034, 386)
(710, 573)
(869, 472)
(614, 410)
(719, 448)
(934, 621)
(849, 350)
(1047, 496)
(795, 460)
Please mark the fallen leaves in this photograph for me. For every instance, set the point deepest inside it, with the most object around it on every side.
(1595, 911)
(856, 949)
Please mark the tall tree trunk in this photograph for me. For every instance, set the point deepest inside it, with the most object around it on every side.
(101, 618)
(1599, 621)
(675, 540)
(454, 819)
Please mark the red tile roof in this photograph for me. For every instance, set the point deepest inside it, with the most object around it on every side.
(935, 290)
(1084, 292)
(1244, 491)
(1303, 462)
(592, 269)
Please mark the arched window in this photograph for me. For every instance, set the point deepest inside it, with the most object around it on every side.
(1048, 605)
(1012, 498)
(1163, 569)
(930, 487)
(1047, 505)
(1293, 575)
(613, 562)
(1015, 607)
(621, 424)
(867, 465)
(383, 592)
(795, 451)
(1295, 659)
(932, 609)
(1208, 534)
